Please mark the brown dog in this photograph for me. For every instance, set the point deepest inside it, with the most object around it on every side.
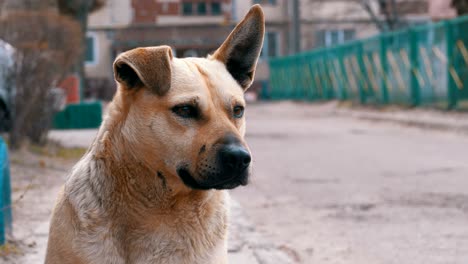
(151, 188)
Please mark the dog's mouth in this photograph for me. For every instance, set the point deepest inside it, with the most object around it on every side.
(221, 182)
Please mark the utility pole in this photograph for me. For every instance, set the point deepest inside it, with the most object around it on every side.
(295, 28)
(395, 18)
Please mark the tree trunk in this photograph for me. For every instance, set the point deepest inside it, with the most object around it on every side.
(82, 18)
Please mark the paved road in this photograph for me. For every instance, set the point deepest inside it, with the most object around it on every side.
(333, 189)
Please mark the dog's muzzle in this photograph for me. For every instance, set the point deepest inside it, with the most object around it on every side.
(230, 170)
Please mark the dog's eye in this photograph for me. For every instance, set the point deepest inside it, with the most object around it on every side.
(238, 111)
(185, 111)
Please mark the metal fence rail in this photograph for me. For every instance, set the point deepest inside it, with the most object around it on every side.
(425, 65)
(79, 116)
(5, 194)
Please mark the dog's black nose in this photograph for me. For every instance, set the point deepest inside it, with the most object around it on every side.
(235, 157)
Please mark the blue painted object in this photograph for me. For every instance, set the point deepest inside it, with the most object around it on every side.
(5, 193)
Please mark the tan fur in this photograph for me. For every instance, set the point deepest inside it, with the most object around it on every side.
(124, 201)
(239, 38)
(152, 66)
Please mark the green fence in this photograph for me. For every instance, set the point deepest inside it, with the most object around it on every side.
(425, 65)
(6, 221)
(79, 116)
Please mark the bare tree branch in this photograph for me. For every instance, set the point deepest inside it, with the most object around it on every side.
(389, 20)
(46, 46)
(79, 11)
(461, 6)
(366, 5)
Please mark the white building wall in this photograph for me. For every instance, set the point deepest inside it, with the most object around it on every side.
(113, 14)
(441, 9)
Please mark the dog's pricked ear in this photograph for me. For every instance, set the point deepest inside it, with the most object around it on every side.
(150, 67)
(240, 51)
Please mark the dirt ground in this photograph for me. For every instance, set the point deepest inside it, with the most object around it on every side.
(36, 178)
(326, 188)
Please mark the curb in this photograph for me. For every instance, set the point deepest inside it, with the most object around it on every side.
(418, 118)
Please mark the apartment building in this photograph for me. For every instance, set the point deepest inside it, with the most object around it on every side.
(103, 25)
(277, 34)
(198, 27)
(191, 28)
(331, 22)
(441, 9)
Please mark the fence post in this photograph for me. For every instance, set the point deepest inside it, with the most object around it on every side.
(301, 77)
(451, 86)
(343, 85)
(414, 64)
(360, 54)
(326, 76)
(282, 85)
(384, 67)
(310, 86)
(292, 74)
(272, 82)
(285, 81)
(5, 193)
(310, 81)
(323, 83)
(288, 79)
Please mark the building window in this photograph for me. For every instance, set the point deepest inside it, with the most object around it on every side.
(165, 7)
(332, 37)
(187, 9)
(269, 2)
(272, 39)
(215, 9)
(190, 53)
(270, 45)
(201, 8)
(91, 49)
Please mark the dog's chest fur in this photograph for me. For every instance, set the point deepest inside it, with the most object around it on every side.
(192, 233)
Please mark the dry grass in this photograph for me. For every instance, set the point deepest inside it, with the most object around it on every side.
(54, 150)
(9, 249)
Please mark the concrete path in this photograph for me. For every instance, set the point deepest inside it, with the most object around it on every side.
(337, 189)
(330, 185)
